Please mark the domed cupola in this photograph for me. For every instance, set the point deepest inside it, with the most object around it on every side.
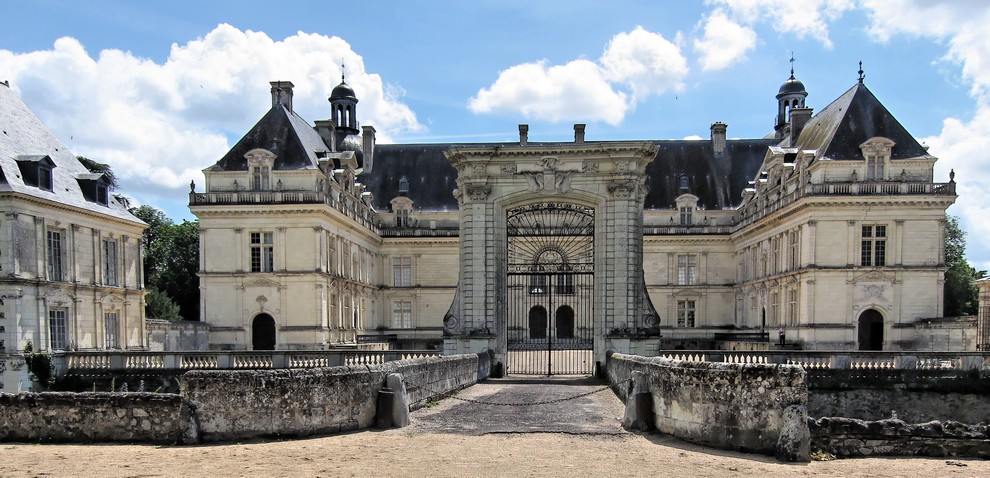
(343, 114)
(343, 108)
(791, 95)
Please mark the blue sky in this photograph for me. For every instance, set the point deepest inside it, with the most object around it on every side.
(161, 89)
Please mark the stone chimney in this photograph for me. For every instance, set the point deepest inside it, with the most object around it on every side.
(718, 137)
(523, 134)
(799, 118)
(282, 93)
(578, 133)
(368, 146)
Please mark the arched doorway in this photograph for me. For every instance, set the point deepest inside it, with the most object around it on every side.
(565, 322)
(549, 289)
(537, 322)
(263, 332)
(871, 330)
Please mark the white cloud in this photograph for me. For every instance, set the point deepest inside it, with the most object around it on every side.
(725, 42)
(802, 18)
(583, 90)
(574, 91)
(158, 125)
(646, 62)
(961, 145)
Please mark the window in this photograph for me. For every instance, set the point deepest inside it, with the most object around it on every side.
(55, 260)
(774, 307)
(774, 255)
(685, 313)
(402, 218)
(538, 284)
(874, 168)
(402, 271)
(687, 269)
(565, 281)
(686, 212)
(110, 327)
(260, 178)
(57, 333)
(44, 177)
(792, 307)
(402, 314)
(874, 246)
(110, 262)
(794, 252)
(262, 252)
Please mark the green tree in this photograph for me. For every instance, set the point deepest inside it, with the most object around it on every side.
(171, 260)
(161, 306)
(960, 294)
(103, 168)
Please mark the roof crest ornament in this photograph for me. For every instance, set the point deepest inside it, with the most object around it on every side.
(342, 70)
(792, 65)
(861, 75)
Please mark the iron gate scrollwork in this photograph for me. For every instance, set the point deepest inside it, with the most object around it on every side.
(550, 289)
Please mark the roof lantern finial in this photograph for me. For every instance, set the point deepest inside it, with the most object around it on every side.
(792, 65)
(861, 75)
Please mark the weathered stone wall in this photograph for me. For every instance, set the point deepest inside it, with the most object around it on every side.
(728, 406)
(165, 336)
(912, 406)
(219, 405)
(846, 437)
(233, 405)
(917, 396)
(92, 417)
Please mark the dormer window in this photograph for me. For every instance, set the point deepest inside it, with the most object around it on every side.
(94, 188)
(876, 152)
(686, 205)
(36, 170)
(260, 168)
(683, 186)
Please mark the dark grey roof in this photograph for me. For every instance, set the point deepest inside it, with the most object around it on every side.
(343, 90)
(717, 181)
(24, 137)
(291, 138)
(849, 121)
(432, 179)
(792, 85)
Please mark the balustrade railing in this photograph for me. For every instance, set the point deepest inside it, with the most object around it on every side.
(220, 360)
(813, 360)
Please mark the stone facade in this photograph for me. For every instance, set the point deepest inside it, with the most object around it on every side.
(70, 253)
(827, 231)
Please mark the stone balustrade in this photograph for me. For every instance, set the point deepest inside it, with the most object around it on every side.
(849, 360)
(229, 360)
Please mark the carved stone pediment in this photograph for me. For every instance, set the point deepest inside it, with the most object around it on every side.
(873, 276)
(111, 301)
(261, 282)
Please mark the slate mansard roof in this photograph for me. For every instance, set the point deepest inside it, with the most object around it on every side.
(286, 134)
(717, 181)
(23, 137)
(852, 119)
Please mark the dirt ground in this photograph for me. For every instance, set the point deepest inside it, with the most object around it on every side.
(445, 441)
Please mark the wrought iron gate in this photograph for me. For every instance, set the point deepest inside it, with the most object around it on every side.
(550, 289)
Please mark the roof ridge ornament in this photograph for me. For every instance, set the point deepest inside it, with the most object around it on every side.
(792, 65)
(861, 75)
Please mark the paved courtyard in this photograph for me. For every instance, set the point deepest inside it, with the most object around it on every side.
(461, 438)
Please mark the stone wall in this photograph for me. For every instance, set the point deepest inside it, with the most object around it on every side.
(233, 405)
(846, 437)
(729, 406)
(165, 336)
(96, 417)
(222, 405)
(912, 406)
